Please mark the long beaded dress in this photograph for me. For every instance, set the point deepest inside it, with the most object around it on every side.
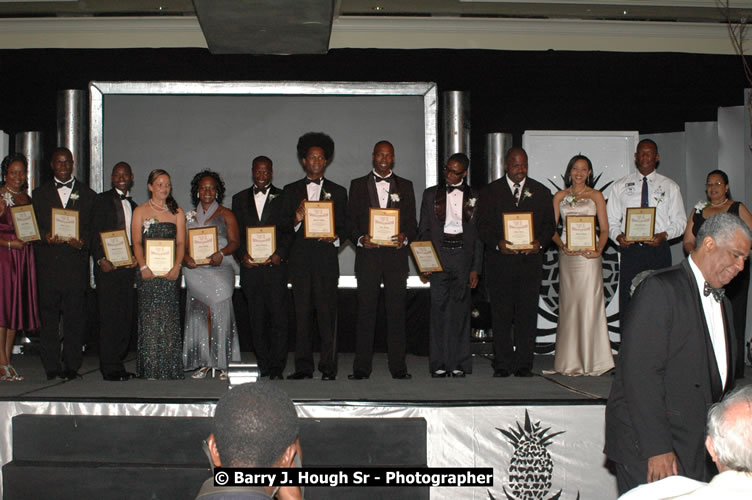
(210, 288)
(19, 307)
(582, 345)
(159, 340)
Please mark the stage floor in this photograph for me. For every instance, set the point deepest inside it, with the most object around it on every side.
(478, 388)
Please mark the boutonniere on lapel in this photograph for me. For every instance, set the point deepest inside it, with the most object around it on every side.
(526, 194)
(659, 195)
(702, 205)
(272, 196)
(148, 222)
(8, 199)
(190, 216)
(395, 197)
(325, 195)
(74, 196)
(471, 202)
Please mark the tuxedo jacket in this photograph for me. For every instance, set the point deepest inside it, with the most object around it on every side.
(363, 196)
(498, 198)
(244, 208)
(667, 376)
(108, 216)
(433, 218)
(306, 254)
(61, 264)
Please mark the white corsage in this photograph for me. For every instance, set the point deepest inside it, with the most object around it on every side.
(471, 202)
(8, 198)
(74, 196)
(272, 196)
(394, 197)
(325, 195)
(526, 194)
(148, 222)
(701, 205)
(659, 195)
(570, 199)
(190, 216)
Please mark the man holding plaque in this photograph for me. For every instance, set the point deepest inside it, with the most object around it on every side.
(264, 280)
(63, 264)
(113, 210)
(514, 266)
(447, 218)
(314, 266)
(381, 257)
(644, 188)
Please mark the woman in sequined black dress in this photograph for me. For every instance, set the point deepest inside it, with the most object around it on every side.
(160, 348)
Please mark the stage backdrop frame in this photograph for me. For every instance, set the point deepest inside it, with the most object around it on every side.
(100, 90)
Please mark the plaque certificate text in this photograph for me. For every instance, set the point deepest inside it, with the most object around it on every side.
(383, 224)
(319, 219)
(425, 257)
(261, 242)
(25, 223)
(581, 232)
(640, 224)
(116, 247)
(65, 224)
(202, 243)
(518, 230)
(160, 255)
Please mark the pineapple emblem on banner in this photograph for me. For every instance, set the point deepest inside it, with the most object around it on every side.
(531, 467)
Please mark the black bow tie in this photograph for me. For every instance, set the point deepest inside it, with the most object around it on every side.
(314, 181)
(125, 197)
(717, 292)
(68, 184)
(381, 179)
(257, 190)
(461, 187)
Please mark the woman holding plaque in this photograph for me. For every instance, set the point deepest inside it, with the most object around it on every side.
(718, 201)
(211, 337)
(582, 345)
(158, 232)
(19, 308)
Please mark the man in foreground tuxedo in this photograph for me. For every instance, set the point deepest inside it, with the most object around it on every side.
(447, 218)
(514, 276)
(113, 210)
(676, 359)
(62, 268)
(376, 263)
(314, 266)
(264, 284)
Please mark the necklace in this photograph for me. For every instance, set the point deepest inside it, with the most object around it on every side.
(157, 207)
(719, 204)
(571, 191)
(11, 191)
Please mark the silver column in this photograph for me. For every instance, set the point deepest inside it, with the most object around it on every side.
(455, 123)
(29, 144)
(73, 129)
(497, 145)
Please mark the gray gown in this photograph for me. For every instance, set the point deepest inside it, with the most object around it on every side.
(210, 288)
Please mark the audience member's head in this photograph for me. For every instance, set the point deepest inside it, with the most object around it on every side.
(729, 440)
(255, 425)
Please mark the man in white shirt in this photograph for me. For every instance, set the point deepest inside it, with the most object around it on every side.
(674, 360)
(644, 188)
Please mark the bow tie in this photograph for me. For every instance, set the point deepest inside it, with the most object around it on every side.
(717, 292)
(68, 184)
(381, 179)
(263, 190)
(125, 197)
(314, 181)
(461, 187)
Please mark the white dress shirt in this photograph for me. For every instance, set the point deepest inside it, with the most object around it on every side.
(260, 200)
(714, 318)
(663, 194)
(453, 220)
(65, 192)
(511, 187)
(127, 211)
(382, 189)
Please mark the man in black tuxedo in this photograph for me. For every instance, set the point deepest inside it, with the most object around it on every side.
(314, 266)
(264, 284)
(676, 359)
(447, 218)
(113, 210)
(514, 276)
(62, 268)
(375, 263)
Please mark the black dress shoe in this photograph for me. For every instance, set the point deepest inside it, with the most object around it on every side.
(458, 374)
(328, 376)
(118, 377)
(71, 375)
(439, 374)
(523, 372)
(299, 376)
(357, 376)
(501, 372)
(53, 375)
(264, 373)
(276, 376)
(402, 376)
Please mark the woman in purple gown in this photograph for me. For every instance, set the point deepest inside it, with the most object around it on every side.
(19, 309)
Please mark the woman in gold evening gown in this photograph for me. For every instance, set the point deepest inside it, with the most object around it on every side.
(582, 345)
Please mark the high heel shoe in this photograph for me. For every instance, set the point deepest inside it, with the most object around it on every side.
(5, 373)
(14, 373)
(222, 375)
(201, 372)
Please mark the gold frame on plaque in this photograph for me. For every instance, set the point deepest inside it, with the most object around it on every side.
(328, 204)
(120, 233)
(385, 212)
(426, 244)
(66, 213)
(14, 211)
(508, 217)
(250, 230)
(639, 211)
(579, 219)
(200, 231)
(159, 242)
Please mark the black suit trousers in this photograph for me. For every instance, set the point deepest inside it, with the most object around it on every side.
(55, 301)
(116, 298)
(265, 290)
(395, 297)
(315, 290)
